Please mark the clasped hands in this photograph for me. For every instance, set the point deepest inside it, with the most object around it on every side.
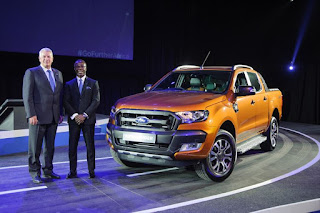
(79, 119)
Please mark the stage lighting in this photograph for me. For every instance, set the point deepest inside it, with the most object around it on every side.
(291, 67)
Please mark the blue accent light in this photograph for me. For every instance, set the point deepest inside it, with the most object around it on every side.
(291, 68)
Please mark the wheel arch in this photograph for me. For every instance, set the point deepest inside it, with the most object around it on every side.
(276, 114)
(229, 127)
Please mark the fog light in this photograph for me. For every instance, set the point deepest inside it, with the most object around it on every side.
(190, 146)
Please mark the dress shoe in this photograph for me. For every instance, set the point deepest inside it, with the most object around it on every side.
(37, 179)
(72, 175)
(92, 175)
(52, 176)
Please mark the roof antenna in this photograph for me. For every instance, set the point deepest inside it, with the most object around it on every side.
(205, 59)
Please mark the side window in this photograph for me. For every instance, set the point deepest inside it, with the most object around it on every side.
(264, 83)
(254, 81)
(241, 81)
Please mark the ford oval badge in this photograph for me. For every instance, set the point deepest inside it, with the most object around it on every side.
(142, 120)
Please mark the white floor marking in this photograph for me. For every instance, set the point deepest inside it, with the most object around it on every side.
(200, 200)
(152, 172)
(22, 190)
(62, 162)
(84, 160)
(304, 206)
(13, 167)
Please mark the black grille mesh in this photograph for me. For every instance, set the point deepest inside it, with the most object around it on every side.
(158, 120)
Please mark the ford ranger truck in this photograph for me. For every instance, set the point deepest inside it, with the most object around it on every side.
(196, 116)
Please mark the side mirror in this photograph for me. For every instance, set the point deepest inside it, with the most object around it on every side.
(147, 87)
(246, 90)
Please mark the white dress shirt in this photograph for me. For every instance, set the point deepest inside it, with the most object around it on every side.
(84, 114)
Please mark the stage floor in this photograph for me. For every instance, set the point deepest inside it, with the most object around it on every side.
(286, 176)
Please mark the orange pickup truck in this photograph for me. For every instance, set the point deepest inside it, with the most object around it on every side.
(199, 116)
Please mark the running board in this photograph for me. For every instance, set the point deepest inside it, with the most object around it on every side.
(249, 144)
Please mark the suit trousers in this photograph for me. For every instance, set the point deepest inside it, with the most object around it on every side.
(74, 135)
(38, 134)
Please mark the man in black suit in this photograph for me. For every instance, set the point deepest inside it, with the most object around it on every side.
(81, 100)
(42, 97)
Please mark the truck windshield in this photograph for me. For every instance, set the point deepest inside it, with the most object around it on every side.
(203, 81)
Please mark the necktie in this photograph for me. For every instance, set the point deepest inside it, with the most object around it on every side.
(51, 80)
(80, 85)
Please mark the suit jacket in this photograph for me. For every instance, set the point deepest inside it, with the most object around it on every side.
(38, 97)
(88, 101)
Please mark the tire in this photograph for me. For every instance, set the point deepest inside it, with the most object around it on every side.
(272, 135)
(220, 162)
(124, 162)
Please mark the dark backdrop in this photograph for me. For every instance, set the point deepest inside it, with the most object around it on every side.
(172, 33)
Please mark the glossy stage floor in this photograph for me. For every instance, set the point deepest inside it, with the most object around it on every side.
(284, 180)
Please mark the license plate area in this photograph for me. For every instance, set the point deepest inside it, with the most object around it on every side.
(139, 137)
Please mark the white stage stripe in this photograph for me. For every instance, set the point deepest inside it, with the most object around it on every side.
(25, 132)
(22, 190)
(102, 121)
(21, 166)
(152, 172)
(200, 200)
(14, 133)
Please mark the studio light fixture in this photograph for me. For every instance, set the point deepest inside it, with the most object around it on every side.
(291, 66)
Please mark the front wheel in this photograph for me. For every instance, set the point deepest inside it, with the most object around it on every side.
(220, 162)
(272, 135)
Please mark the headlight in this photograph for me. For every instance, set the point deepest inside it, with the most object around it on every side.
(193, 116)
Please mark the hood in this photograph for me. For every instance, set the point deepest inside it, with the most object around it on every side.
(170, 101)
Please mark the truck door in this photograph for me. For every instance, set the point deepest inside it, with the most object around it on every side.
(261, 103)
(245, 111)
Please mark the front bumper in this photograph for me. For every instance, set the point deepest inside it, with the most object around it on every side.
(159, 152)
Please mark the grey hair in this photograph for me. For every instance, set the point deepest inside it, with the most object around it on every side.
(45, 49)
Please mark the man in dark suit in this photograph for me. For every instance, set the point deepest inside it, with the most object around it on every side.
(81, 100)
(42, 97)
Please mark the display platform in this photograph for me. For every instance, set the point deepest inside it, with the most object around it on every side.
(284, 180)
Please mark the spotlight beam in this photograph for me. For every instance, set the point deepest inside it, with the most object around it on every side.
(302, 30)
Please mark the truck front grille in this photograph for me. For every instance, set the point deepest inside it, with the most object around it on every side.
(147, 119)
